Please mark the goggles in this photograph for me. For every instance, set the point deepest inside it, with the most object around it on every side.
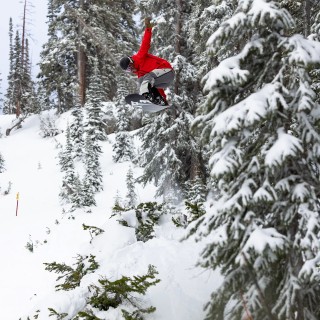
(130, 67)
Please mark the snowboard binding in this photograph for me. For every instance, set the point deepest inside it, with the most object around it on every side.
(154, 96)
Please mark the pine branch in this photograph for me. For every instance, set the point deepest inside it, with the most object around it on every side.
(261, 295)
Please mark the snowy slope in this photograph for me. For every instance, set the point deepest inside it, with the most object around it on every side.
(32, 168)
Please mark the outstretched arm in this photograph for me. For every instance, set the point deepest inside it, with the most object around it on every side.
(146, 40)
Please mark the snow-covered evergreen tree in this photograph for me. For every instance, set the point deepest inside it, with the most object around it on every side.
(195, 197)
(158, 156)
(8, 104)
(77, 132)
(2, 162)
(1, 107)
(20, 97)
(315, 73)
(88, 193)
(205, 18)
(93, 175)
(196, 190)
(94, 126)
(79, 34)
(131, 194)
(17, 73)
(304, 14)
(57, 64)
(77, 197)
(123, 147)
(260, 120)
(70, 181)
(29, 99)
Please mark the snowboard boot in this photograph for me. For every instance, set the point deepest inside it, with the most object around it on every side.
(149, 95)
(157, 97)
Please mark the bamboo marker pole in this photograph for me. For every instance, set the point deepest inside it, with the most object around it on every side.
(17, 197)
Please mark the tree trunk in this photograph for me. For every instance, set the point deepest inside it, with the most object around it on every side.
(306, 14)
(18, 102)
(81, 61)
(178, 41)
(23, 34)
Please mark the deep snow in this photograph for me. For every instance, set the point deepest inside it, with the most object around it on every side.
(32, 168)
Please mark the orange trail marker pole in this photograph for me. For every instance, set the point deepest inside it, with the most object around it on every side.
(17, 197)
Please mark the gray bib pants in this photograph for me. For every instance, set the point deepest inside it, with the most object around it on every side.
(159, 78)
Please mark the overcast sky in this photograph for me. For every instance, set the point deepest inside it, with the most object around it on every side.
(36, 28)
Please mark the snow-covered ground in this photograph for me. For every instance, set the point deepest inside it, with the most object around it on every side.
(32, 169)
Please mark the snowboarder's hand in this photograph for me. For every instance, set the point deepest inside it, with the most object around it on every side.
(148, 23)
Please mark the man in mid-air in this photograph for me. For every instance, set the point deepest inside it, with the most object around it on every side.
(154, 73)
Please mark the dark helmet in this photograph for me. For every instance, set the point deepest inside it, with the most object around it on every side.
(124, 63)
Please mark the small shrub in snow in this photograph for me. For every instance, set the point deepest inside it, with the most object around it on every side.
(196, 210)
(6, 192)
(124, 223)
(94, 231)
(180, 221)
(59, 316)
(29, 245)
(124, 291)
(148, 215)
(48, 127)
(72, 275)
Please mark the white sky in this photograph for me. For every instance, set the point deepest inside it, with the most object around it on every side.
(36, 27)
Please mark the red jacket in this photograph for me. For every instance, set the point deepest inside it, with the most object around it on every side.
(145, 62)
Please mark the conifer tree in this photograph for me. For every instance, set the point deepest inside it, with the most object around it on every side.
(57, 64)
(2, 162)
(93, 175)
(70, 180)
(158, 156)
(260, 120)
(77, 132)
(78, 35)
(17, 75)
(8, 103)
(94, 126)
(195, 197)
(1, 107)
(205, 18)
(77, 197)
(123, 147)
(304, 14)
(131, 194)
(118, 202)
(315, 73)
(20, 97)
(29, 100)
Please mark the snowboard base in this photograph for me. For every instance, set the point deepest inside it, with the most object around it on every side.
(138, 100)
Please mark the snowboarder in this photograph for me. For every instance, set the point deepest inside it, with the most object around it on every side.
(154, 73)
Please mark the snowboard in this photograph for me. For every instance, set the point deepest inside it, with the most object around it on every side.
(138, 100)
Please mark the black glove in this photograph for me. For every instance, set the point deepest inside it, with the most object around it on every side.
(148, 23)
